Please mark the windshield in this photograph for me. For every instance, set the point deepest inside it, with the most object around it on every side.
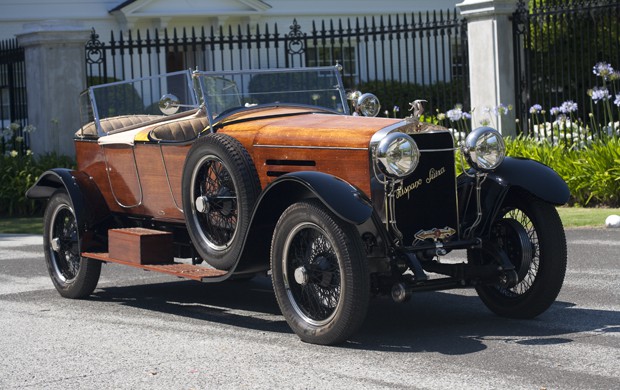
(226, 91)
(149, 99)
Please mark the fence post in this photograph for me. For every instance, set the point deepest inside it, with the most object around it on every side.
(491, 60)
(55, 76)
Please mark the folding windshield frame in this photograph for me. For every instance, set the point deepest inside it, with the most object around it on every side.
(214, 116)
(93, 102)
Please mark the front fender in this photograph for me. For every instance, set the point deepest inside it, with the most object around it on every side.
(534, 177)
(513, 174)
(345, 200)
(342, 198)
(88, 204)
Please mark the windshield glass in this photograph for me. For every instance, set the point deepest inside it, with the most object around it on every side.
(226, 91)
(137, 97)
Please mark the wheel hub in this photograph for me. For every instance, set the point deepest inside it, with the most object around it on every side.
(517, 244)
(202, 204)
(301, 276)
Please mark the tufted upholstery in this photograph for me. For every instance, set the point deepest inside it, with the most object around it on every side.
(115, 124)
(183, 130)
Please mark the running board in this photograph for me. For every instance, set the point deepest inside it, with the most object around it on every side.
(182, 270)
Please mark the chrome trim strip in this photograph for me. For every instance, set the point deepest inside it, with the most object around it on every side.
(309, 147)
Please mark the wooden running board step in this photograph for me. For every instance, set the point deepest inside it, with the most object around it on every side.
(181, 270)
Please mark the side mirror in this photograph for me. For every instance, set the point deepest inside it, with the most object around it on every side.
(169, 104)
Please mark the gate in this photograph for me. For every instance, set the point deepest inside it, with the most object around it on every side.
(13, 102)
(557, 45)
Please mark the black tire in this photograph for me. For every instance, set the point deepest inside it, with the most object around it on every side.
(220, 188)
(73, 276)
(319, 272)
(531, 234)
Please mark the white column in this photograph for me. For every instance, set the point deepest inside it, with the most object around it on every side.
(55, 76)
(491, 59)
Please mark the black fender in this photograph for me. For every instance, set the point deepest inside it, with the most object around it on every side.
(342, 198)
(87, 201)
(519, 174)
(534, 177)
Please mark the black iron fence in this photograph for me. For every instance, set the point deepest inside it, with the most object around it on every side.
(399, 58)
(13, 101)
(563, 50)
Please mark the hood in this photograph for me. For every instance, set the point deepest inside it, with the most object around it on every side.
(293, 126)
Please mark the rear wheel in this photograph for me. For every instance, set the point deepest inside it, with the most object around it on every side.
(72, 275)
(531, 234)
(319, 273)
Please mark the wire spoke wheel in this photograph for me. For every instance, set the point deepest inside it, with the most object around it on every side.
(63, 245)
(214, 185)
(72, 275)
(317, 295)
(529, 231)
(319, 272)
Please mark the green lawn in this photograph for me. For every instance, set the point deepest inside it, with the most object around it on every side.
(571, 217)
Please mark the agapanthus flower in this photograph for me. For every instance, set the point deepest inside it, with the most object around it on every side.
(617, 101)
(466, 115)
(600, 93)
(554, 110)
(455, 114)
(603, 69)
(396, 109)
(568, 106)
(500, 110)
(535, 109)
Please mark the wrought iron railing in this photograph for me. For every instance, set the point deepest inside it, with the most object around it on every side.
(417, 51)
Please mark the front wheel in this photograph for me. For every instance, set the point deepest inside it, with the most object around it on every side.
(72, 275)
(531, 234)
(319, 273)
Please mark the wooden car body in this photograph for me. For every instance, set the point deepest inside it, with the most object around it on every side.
(215, 175)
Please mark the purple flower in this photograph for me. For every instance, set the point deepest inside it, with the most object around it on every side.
(603, 69)
(600, 93)
(617, 101)
(554, 110)
(568, 106)
(466, 115)
(396, 109)
(455, 114)
(501, 109)
(535, 109)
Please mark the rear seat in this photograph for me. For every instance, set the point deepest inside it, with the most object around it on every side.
(113, 124)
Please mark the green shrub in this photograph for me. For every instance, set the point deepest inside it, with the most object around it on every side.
(18, 172)
(592, 172)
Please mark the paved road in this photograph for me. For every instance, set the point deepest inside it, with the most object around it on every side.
(144, 330)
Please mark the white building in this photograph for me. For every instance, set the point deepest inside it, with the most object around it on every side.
(18, 16)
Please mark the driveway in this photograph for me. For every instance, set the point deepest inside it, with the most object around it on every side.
(145, 330)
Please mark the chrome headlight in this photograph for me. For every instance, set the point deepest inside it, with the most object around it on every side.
(368, 105)
(484, 149)
(397, 155)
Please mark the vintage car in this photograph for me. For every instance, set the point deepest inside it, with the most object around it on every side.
(226, 175)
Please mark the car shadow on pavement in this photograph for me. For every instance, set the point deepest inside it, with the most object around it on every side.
(248, 304)
(447, 323)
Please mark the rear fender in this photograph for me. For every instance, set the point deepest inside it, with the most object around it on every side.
(88, 204)
(345, 200)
